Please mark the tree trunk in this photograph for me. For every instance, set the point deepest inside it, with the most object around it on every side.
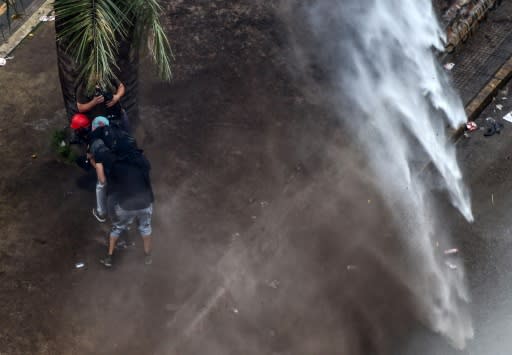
(128, 61)
(67, 75)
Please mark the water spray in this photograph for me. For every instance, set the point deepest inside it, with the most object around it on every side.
(379, 58)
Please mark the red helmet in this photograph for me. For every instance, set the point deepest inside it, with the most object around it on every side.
(79, 120)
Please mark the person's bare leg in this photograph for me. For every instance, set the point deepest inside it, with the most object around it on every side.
(112, 244)
(148, 260)
(107, 260)
(147, 244)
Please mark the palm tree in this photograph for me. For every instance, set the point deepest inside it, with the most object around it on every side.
(99, 40)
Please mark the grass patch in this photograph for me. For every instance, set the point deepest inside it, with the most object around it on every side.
(60, 144)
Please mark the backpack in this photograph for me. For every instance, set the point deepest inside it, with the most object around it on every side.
(120, 143)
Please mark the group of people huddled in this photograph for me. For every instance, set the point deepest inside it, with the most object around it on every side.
(123, 188)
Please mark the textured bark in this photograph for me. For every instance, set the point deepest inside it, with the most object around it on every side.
(67, 75)
(128, 62)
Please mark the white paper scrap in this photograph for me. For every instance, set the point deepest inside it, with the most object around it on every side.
(508, 117)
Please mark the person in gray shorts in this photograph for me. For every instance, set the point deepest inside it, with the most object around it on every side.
(129, 181)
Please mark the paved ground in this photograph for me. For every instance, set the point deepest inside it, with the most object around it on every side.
(486, 244)
(484, 52)
(262, 204)
(25, 8)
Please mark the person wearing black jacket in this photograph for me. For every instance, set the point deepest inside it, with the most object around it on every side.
(125, 167)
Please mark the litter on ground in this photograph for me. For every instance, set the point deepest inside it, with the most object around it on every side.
(508, 117)
(46, 18)
(450, 265)
(449, 66)
(274, 284)
(471, 126)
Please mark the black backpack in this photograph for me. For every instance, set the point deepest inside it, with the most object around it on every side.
(120, 143)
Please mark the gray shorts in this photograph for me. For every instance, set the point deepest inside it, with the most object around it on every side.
(124, 218)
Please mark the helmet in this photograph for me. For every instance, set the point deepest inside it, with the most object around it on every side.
(100, 121)
(79, 120)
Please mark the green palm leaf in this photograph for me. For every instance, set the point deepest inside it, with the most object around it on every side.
(145, 15)
(100, 39)
(91, 31)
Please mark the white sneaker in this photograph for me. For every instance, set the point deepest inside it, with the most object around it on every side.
(99, 217)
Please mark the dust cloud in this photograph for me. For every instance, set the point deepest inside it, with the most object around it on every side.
(278, 228)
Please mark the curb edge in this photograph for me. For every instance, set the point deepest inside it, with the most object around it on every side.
(21, 33)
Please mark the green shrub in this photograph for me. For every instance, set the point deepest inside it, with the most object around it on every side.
(60, 144)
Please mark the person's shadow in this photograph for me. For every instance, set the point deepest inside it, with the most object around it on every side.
(87, 181)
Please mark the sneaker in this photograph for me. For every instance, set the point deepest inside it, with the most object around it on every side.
(106, 261)
(98, 216)
(148, 260)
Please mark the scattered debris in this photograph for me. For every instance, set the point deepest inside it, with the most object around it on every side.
(263, 203)
(235, 310)
(46, 18)
(30, 35)
(471, 126)
(492, 199)
(62, 143)
(492, 127)
(451, 251)
(34, 156)
(504, 92)
(235, 235)
(369, 201)
(451, 265)
(124, 244)
(253, 218)
(274, 284)
(449, 66)
(508, 117)
(3, 61)
(352, 267)
(499, 107)
(80, 265)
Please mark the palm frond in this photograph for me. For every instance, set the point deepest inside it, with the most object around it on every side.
(90, 31)
(146, 18)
